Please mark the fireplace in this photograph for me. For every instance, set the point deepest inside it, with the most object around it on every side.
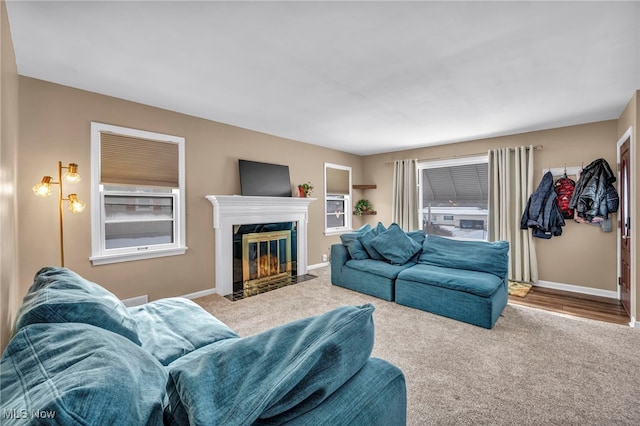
(264, 257)
(232, 211)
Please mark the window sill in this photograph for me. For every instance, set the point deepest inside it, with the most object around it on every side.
(127, 257)
(337, 231)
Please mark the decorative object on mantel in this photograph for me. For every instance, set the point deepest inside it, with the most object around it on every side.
(363, 207)
(43, 189)
(305, 189)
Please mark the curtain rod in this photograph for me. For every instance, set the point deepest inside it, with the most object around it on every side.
(453, 157)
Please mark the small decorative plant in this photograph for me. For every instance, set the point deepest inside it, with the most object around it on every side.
(305, 189)
(362, 206)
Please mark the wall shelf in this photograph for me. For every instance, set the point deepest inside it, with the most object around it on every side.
(363, 187)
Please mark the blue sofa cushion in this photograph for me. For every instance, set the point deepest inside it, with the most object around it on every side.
(418, 236)
(61, 295)
(80, 375)
(352, 242)
(171, 328)
(285, 371)
(482, 256)
(368, 236)
(395, 245)
(376, 267)
(482, 284)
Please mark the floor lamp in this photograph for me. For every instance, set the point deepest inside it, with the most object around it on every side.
(44, 189)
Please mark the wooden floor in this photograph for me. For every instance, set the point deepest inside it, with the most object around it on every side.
(581, 305)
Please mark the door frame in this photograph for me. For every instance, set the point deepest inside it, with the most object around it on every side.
(628, 134)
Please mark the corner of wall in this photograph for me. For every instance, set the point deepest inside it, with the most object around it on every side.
(9, 284)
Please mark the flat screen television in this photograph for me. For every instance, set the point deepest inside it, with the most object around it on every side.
(264, 179)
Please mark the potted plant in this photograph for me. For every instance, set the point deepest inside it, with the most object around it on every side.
(305, 189)
(362, 206)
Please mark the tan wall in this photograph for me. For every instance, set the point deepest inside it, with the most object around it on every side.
(9, 289)
(583, 255)
(54, 126)
(631, 118)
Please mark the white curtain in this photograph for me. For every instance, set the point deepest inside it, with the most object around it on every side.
(510, 185)
(405, 194)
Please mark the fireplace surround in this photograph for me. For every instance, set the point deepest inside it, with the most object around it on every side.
(231, 210)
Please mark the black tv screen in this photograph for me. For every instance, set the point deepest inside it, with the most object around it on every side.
(264, 179)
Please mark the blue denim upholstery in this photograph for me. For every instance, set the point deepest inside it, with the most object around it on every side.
(384, 403)
(464, 280)
(482, 256)
(373, 277)
(352, 242)
(61, 295)
(368, 236)
(308, 372)
(80, 374)
(283, 372)
(481, 284)
(459, 305)
(171, 328)
(395, 245)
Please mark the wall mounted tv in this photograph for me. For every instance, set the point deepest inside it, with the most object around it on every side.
(264, 179)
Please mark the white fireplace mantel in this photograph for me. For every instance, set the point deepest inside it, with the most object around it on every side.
(230, 210)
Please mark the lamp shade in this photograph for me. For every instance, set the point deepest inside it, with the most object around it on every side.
(75, 205)
(71, 175)
(43, 189)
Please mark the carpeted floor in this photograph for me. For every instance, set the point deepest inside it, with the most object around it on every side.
(533, 368)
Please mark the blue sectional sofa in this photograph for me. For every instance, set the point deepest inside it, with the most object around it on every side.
(463, 280)
(78, 356)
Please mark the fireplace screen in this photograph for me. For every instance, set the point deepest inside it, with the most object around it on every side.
(266, 257)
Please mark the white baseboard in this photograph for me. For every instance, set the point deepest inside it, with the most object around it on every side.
(136, 301)
(577, 289)
(200, 294)
(318, 265)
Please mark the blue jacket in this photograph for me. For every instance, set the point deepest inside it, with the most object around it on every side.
(542, 213)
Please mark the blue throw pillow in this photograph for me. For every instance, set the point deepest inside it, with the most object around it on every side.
(418, 236)
(285, 371)
(173, 327)
(482, 256)
(61, 295)
(78, 374)
(352, 242)
(395, 245)
(366, 239)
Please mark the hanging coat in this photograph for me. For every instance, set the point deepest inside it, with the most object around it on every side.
(564, 188)
(595, 196)
(542, 213)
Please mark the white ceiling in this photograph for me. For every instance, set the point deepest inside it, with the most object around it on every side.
(362, 77)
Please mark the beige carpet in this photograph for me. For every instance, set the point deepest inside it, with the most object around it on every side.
(533, 368)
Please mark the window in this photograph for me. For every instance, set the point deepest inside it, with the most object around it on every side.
(337, 212)
(137, 195)
(455, 190)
